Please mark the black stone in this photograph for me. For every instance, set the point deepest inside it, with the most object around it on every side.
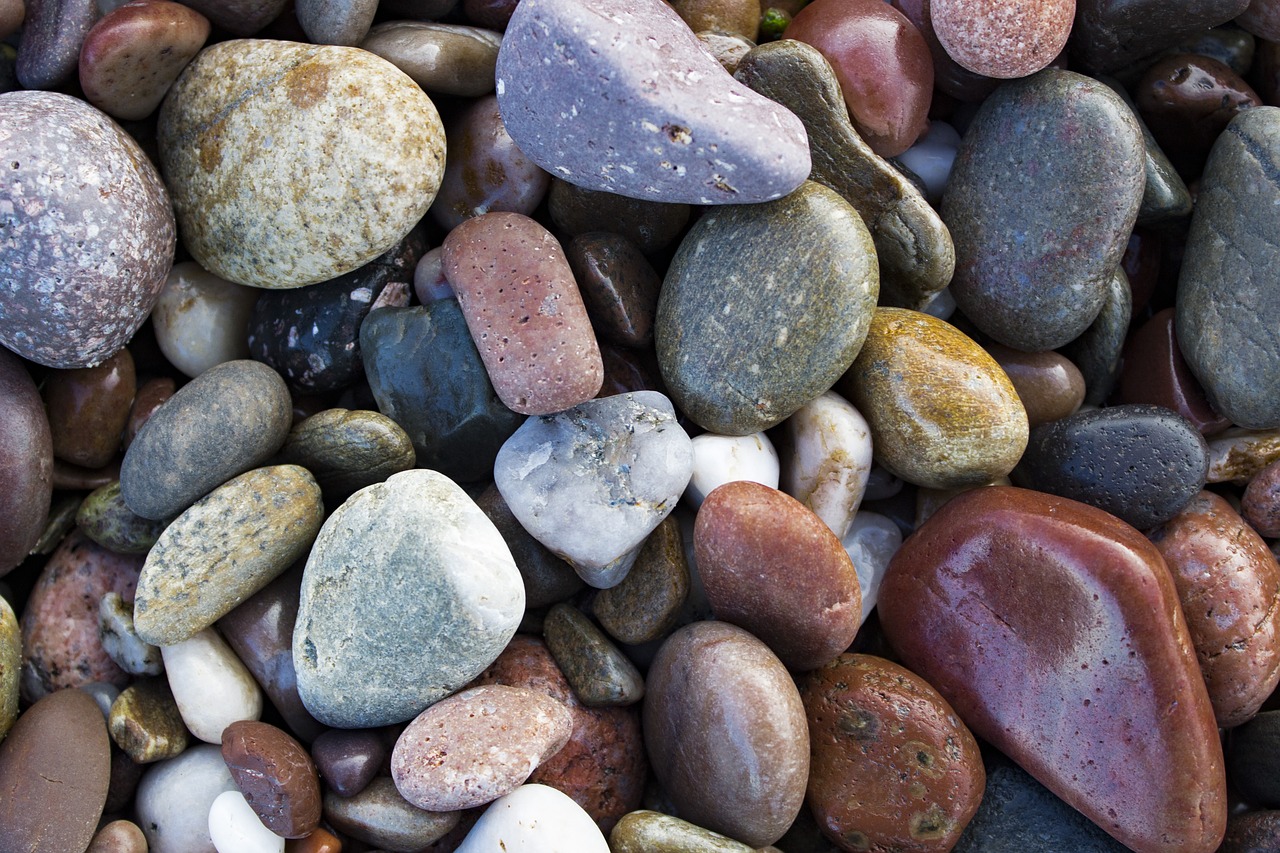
(1109, 34)
(1253, 760)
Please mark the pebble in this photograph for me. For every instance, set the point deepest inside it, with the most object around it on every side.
(653, 832)
(347, 450)
(871, 541)
(1155, 372)
(646, 605)
(1252, 832)
(444, 59)
(379, 816)
(1165, 196)
(1048, 384)
(88, 408)
(12, 14)
(234, 828)
(932, 157)
(292, 104)
(1112, 33)
(52, 33)
(1238, 455)
(963, 604)
(96, 248)
(726, 733)
(345, 23)
(201, 320)
(174, 798)
(10, 666)
(1260, 504)
(600, 674)
(119, 836)
(707, 139)
(349, 759)
(651, 225)
(150, 396)
(619, 286)
(827, 459)
(720, 459)
(240, 17)
(120, 639)
(275, 776)
(949, 77)
(592, 482)
(319, 841)
(1262, 18)
(104, 518)
(737, 358)
(1251, 761)
(212, 687)
(733, 17)
(547, 578)
(533, 818)
(1097, 352)
(26, 463)
(437, 597)
(1003, 39)
(146, 724)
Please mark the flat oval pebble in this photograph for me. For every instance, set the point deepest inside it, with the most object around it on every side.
(145, 722)
(653, 832)
(88, 408)
(965, 603)
(618, 284)
(26, 460)
(174, 798)
(828, 459)
(201, 320)
(347, 450)
(92, 225)
(998, 38)
(1260, 504)
(679, 128)
(275, 775)
(726, 732)
(378, 815)
(600, 674)
(52, 32)
(212, 687)
(336, 23)
(738, 358)
(235, 828)
(446, 59)
(533, 818)
(353, 196)
(1097, 352)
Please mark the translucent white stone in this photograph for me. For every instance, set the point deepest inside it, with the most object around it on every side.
(720, 459)
(534, 819)
(871, 542)
(212, 687)
(235, 828)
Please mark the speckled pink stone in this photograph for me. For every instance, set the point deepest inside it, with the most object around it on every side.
(1003, 38)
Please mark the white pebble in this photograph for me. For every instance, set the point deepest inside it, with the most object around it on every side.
(235, 828)
(871, 542)
(212, 687)
(932, 157)
(534, 819)
(720, 459)
(202, 320)
(174, 797)
(828, 459)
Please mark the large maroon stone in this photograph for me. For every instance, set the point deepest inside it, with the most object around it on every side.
(26, 463)
(1054, 630)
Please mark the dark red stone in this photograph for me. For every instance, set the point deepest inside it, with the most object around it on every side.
(1155, 372)
(1260, 505)
(88, 409)
(26, 462)
(276, 776)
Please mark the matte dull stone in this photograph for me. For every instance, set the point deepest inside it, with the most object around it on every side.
(125, 776)
(75, 477)
(26, 463)
(228, 420)
(678, 127)
(1040, 220)
(1227, 309)
(653, 832)
(426, 375)
(212, 686)
(1098, 350)
(288, 108)
(598, 671)
(1252, 832)
(10, 666)
(727, 49)
(276, 776)
(1048, 384)
(119, 836)
(949, 77)
(1003, 40)
(963, 603)
(1164, 195)
(535, 817)
(1140, 463)
(446, 59)
(1251, 760)
(52, 33)
(378, 815)
(547, 578)
(726, 733)
(913, 247)
(651, 225)
(736, 17)
(891, 763)
(336, 21)
(493, 14)
(88, 408)
(1260, 504)
(618, 285)
(120, 639)
(970, 434)
(646, 605)
(104, 518)
(174, 799)
(1262, 18)
(91, 223)
(347, 450)
(146, 724)
(1155, 372)
(349, 759)
(54, 769)
(737, 358)
(1111, 33)
(12, 14)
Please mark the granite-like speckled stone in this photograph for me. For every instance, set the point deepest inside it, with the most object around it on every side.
(89, 234)
(52, 34)
(1001, 38)
(347, 450)
(598, 671)
(252, 123)
(146, 724)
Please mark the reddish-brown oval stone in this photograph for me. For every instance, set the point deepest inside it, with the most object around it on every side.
(1260, 505)
(88, 409)
(1003, 38)
(772, 566)
(276, 776)
(1048, 384)
(1229, 585)
(1155, 372)
(26, 463)
(882, 63)
(891, 767)
(149, 397)
(1054, 629)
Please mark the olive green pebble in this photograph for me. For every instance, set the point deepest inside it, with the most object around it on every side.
(107, 520)
(654, 832)
(646, 605)
(10, 666)
(599, 673)
(146, 724)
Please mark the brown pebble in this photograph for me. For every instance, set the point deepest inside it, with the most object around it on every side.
(1252, 832)
(1154, 371)
(1260, 505)
(320, 841)
(88, 409)
(276, 776)
(733, 17)
(12, 13)
(1048, 384)
(119, 836)
(349, 759)
(26, 462)
(618, 284)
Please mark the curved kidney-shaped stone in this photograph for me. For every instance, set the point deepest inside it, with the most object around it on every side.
(1054, 630)
(276, 776)
(1111, 33)
(26, 463)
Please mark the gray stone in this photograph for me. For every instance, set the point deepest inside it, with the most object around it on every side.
(120, 639)
(1164, 195)
(619, 95)
(409, 593)
(378, 815)
(239, 17)
(336, 21)
(1098, 349)
(348, 450)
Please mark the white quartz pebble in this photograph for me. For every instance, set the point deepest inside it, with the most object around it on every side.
(871, 542)
(932, 157)
(828, 459)
(720, 459)
(174, 798)
(212, 687)
(202, 320)
(235, 828)
(535, 819)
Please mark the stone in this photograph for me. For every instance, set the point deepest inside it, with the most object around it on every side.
(437, 597)
(1109, 34)
(10, 666)
(931, 159)
(234, 828)
(92, 224)
(651, 225)
(55, 765)
(532, 818)
(646, 604)
(1165, 196)
(1226, 334)
(963, 604)
(600, 674)
(1238, 455)
(26, 460)
(1252, 832)
(1140, 463)
(1003, 40)
(119, 836)
(827, 459)
(14, 12)
(737, 358)
(229, 420)
(120, 639)
(104, 517)
(146, 724)
(493, 14)
(88, 408)
(345, 23)
(174, 797)
(240, 17)
(349, 759)
(653, 832)
(319, 841)
(1155, 372)
(1048, 384)
(891, 763)
(1097, 352)
(378, 815)
(678, 127)
(871, 541)
(970, 434)
(618, 284)
(212, 687)
(1251, 763)
(547, 578)
(592, 482)
(52, 33)
(913, 247)
(949, 77)
(734, 17)
(720, 459)
(150, 396)
(445, 59)
(287, 107)
(275, 775)
(125, 776)
(201, 320)
(1260, 504)
(726, 733)
(347, 450)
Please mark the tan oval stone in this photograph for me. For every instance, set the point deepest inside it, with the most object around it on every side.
(1049, 385)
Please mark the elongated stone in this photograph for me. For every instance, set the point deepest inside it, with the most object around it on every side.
(379, 815)
(828, 459)
(600, 674)
(347, 450)
(1109, 34)
(212, 687)
(1098, 349)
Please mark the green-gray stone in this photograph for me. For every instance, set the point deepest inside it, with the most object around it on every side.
(764, 307)
(347, 450)
(646, 605)
(106, 519)
(912, 244)
(226, 547)
(62, 519)
(654, 832)
(598, 672)
(1164, 195)
(547, 578)
(146, 724)
(1097, 351)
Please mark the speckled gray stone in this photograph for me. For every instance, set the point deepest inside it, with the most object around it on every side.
(1164, 195)
(229, 419)
(1228, 310)
(619, 95)
(1098, 349)
(88, 231)
(336, 21)
(409, 593)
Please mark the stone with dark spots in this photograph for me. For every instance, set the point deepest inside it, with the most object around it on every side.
(618, 285)
(1109, 34)
(347, 450)
(52, 34)
(276, 776)
(145, 722)
(26, 463)
(88, 408)
(652, 225)
(349, 759)
(1098, 350)
(1155, 372)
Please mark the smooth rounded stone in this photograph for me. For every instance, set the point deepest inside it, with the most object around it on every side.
(103, 695)
(534, 818)
(1155, 372)
(344, 22)
(1048, 384)
(653, 832)
(646, 605)
(88, 408)
(1040, 220)
(292, 106)
(627, 370)
(1229, 585)
(104, 518)
(1165, 196)
(212, 687)
(727, 49)
(54, 769)
(26, 463)
(970, 433)
(52, 33)
(1252, 832)
(493, 14)
(275, 775)
(1260, 504)
(734, 17)
(240, 17)
(871, 541)
(1109, 34)
(1237, 455)
(120, 639)
(61, 520)
(427, 376)
(1225, 308)
(91, 223)
(349, 759)
(619, 286)
(720, 459)
(1097, 352)
(592, 482)
(949, 77)
(437, 597)
(1140, 463)
(320, 841)
(201, 320)
(134, 53)
(547, 578)
(10, 666)
(12, 14)
(738, 358)
(444, 59)
(963, 604)
(347, 450)
(892, 766)
(174, 798)
(826, 459)
(912, 245)
(119, 836)
(379, 816)
(228, 420)
(1002, 39)
(60, 643)
(429, 283)
(234, 828)
(150, 396)
(651, 225)
(1262, 19)
(600, 674)
(146, 724)
(679, 128)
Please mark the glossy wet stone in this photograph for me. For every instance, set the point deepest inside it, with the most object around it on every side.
(547, 578)
(600, 674)
(349, 759)
(653, 832)
(146, 724)
(1098, 350)
(276, 776)
(1000, 39)
(174, 799)
(201, 320)
(120, 639)
(1040, 220)
(963, 603)
(1111, 33)
(827, 459)
(913, 247)
(378, 815)
(234, 826)
(720, 459)
(347, 450)
(26, 460)
(1237, 455)
(618, 285)
(88, 408)
(150, 396)
(646, 605)
(52, 33)
(446, 59)
(651, 225)
(1165, 196)
(119, 836)
(1155, 372)
(1048, 384)
(1260, 504)
(95, 248)
(212, 687)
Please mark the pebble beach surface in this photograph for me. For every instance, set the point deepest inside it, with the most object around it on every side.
(639, 426)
